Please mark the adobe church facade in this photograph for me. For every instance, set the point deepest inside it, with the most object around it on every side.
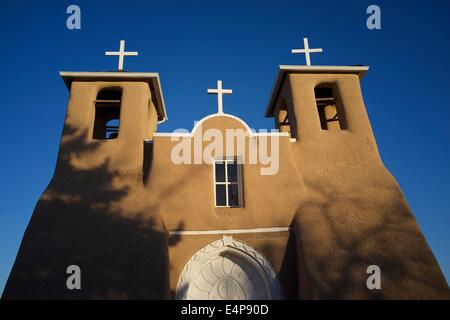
(140, 226)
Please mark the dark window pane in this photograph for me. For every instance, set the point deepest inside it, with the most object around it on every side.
(233, 195)
(220, 195)
(220, 172)
(232, 171)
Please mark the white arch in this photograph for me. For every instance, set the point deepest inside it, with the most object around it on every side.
(190, 287)
(252, 133)
(200, 122)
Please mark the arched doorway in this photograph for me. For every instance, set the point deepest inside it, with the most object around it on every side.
(228, 269)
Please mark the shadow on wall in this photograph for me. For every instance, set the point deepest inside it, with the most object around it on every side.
(287, 274)
(93, 218)
(343, 233)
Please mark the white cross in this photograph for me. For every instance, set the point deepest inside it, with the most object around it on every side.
(306, 51)
(121, 53)
(219, 91)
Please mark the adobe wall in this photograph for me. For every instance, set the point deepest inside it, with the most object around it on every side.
(92, 215)
(184, 195)
(111, 204)
(187, 190)
(354, 214)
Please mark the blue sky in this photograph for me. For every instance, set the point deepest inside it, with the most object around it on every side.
(194, 43)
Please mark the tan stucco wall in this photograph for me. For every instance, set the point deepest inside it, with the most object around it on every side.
(354, 213)
(92, 213)
(189, 194)
(111, 204)
(184, 196)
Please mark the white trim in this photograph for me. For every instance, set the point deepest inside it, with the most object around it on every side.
(188, 134)
(197, 125)
(251, 132)
(172, 134)
(112, 74)
(272, 134)
(325, 69)
(229, 231)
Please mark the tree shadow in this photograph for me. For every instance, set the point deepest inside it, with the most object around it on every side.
(288, 272)
(342, 233)
(95, 218)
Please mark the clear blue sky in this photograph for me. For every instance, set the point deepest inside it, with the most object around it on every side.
(194, 43)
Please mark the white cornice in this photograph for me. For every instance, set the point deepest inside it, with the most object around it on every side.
(228, 231)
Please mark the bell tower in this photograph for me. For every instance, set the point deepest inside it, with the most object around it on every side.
(353, 214)
(112, 113)
(93, 214)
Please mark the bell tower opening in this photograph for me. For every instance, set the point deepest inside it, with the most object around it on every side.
(329, 108)
(283, 120)
(107, 114)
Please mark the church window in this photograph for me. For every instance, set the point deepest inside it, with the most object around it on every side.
(228, 183)
(330, 113)
(107, 114)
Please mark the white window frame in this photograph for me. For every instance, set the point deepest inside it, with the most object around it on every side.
(225, 161)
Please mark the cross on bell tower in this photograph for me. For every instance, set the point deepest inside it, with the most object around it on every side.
(121, 53)
(220, 92)
(307, 51)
